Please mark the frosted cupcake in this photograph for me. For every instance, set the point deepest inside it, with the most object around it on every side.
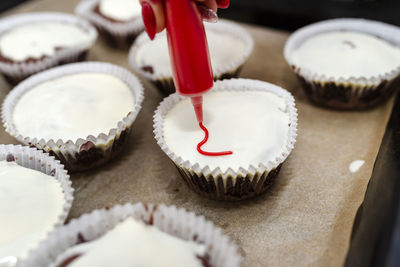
(119, 21)
(33, 42)
(255, 120)
(131, 235)
(82, 113)
(35, 197)
(346, 63)
(229, 45)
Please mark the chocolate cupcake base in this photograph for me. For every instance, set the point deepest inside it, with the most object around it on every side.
(220, 251)
(345, 93)
(16, 71)
(230, 184)
(164, 82)
(89, 154)
(234, 189)
(32, 158)
(117, 41)
(348, 96)
(14, 78)
(86, 152)
(118, 34)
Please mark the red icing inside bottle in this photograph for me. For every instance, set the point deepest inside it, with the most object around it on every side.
(206, 153)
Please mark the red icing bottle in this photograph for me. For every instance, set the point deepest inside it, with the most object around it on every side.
(190, 59)
(188, 49)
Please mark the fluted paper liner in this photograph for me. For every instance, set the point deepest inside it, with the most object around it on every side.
(86, 152)
(345, 93)
(19, 70)
(174, 221)
(119, 33)
(230, 70)
(38, 160)
(244, 182)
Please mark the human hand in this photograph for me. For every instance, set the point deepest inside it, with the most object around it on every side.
(153, 13)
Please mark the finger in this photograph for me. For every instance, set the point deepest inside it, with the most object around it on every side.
(210, 4)
(223, 3)
(207, 13)
(153, 16)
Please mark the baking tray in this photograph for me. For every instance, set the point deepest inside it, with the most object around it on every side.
(376, 231)
(305, 219)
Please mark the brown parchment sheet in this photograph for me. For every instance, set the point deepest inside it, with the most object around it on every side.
(307, 216)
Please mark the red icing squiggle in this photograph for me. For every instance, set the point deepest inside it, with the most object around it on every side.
(205, 153)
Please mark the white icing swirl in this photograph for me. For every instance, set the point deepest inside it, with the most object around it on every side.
(73, 106)
(132, 243)
(30, 204)
(120, 10)
(38, 39)
(252, 124)
(346, 54)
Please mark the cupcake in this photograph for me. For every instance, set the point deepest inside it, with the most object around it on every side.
(131, 235)
(346, 63)
(255, 120)
(35, 197)
(82, 113)
(229, 45)
(119, 21)
(33, 42)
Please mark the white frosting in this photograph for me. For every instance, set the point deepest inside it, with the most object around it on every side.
(73, 106)
(38, 39)
(132, 243)
(30, 204)
(346, 54)
(356, 165)
(252, 124)
(121, 10)
(223, 47)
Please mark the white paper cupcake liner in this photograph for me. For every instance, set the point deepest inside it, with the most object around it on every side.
(86, 152)
(37, 160)
(17, 71)
(177, 222)
(165, 82)
(244, 182)
(121, 33)
(345, 93)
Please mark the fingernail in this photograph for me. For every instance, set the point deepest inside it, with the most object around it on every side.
(149, 20)
(223, 3)
(207, 13)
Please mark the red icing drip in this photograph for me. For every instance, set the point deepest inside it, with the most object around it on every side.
(205, 153)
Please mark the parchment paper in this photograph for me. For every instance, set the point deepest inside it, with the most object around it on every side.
(307, 216)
